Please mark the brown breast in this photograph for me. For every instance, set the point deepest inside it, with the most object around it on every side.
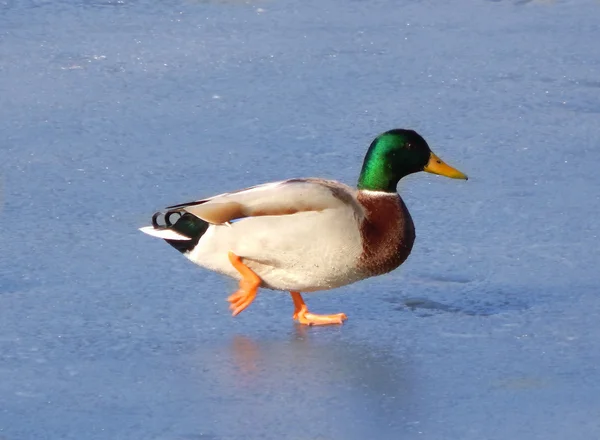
(388, 232)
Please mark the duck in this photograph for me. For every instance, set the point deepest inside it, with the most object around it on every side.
(305, 235)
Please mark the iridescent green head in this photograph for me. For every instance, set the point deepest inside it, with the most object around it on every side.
(398, 153)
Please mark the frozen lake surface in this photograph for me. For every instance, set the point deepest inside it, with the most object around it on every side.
(110, 110)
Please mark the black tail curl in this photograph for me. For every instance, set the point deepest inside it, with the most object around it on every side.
(167, 218)
(185, 224)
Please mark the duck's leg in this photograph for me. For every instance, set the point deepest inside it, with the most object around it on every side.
(303, 316)
(248, 286)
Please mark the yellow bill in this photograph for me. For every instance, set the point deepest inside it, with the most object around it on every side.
(438, 166)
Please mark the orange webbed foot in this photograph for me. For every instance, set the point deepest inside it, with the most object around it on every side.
(248, 286)
(303, 316)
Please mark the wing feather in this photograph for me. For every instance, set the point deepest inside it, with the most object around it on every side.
(277, 198)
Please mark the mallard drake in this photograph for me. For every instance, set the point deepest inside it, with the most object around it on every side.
(306, 235)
